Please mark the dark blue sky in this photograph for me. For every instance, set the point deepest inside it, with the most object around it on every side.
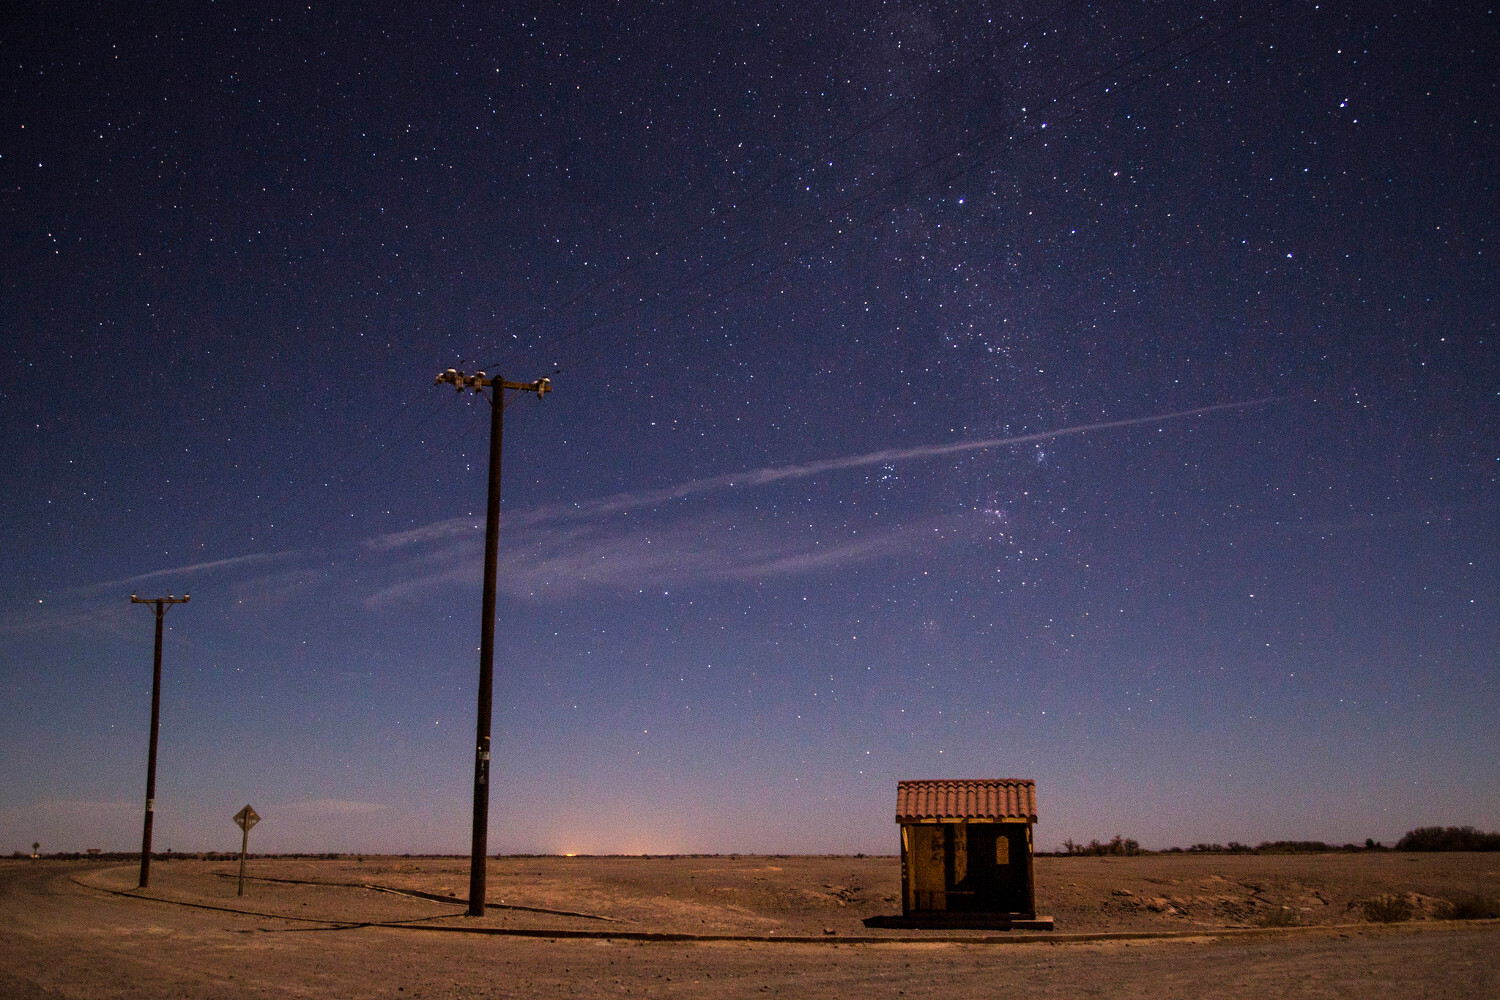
(762, 247)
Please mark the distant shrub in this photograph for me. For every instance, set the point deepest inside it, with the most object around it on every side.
(1233, 847)
(1448, 838)
(1282, 916)
(1474, 907)
(1293, 847)
(1118, 846)
(1387, 909)
(1278, 847)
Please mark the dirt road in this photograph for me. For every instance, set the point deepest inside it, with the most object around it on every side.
(61, 938)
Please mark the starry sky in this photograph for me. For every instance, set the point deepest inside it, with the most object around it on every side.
(1103, 394)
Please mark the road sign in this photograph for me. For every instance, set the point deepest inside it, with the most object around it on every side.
(246, 818)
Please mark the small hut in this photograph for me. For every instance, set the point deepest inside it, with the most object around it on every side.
(966, 847)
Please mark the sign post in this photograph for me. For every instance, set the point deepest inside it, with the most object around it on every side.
(245, 819)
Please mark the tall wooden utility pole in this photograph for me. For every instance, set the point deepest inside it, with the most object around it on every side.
(161, 604)
(498, 388)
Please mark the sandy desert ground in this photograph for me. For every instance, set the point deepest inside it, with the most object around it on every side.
(1159, 926)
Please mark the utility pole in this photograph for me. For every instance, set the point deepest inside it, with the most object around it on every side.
(498, 389)
(161, 604)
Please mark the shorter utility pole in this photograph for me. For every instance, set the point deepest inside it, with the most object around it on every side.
(498, 387)
(161, 604)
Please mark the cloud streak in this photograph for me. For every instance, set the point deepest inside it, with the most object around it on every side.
(622, 502)
(774, 474)
(555, 551)
(89, 607)
(63, 617)
(552, 563)
(203, 567)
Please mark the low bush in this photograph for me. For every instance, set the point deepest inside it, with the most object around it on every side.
(1387, 909)
(1293, 847)
(1118, 846)
(1282, 916)
(1233, 847)
(1473, 907)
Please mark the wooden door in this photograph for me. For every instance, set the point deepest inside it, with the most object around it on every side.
(928, 866)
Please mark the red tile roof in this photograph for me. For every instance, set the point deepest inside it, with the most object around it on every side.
(983, 798)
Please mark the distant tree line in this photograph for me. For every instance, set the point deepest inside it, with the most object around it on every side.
(1275, 847)
(1122, 847)
(1448, 838)
(1427, 838)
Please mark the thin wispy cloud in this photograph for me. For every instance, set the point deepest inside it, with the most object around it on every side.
(779, 473)
(270, 590)
(617, 555)
(557, 550)
(195, 568)
(40, 617)
(92, 608)
(622, 502)
(427, 534)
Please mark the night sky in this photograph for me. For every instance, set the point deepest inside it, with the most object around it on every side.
(835, 300)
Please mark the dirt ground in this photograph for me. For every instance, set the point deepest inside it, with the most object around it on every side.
(1239, 926)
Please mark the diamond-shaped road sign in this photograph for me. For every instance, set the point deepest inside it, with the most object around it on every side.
(246, 818)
